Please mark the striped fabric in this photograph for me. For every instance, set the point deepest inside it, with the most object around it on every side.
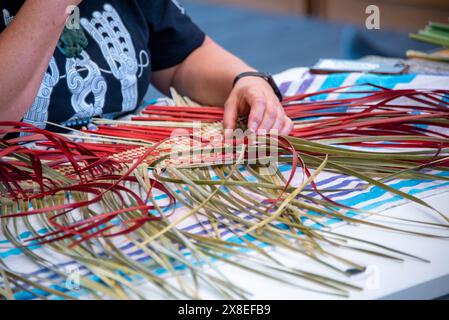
(291, 82)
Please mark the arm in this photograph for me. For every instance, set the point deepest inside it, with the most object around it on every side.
(26, 47)
(207, 76)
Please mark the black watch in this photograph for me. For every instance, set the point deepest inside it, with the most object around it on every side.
(262, 75)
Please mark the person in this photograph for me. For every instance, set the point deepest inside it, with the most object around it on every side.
(123, 47)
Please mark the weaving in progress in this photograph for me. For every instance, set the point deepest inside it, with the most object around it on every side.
(91, 195)
(223, 158)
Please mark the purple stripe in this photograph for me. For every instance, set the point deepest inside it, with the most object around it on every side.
(284, 87)
(306, 83)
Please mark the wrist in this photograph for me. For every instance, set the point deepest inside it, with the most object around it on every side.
(261, 76)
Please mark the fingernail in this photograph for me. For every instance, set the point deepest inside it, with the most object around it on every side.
(253, 126)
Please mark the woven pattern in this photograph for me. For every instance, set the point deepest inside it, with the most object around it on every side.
(253, 210)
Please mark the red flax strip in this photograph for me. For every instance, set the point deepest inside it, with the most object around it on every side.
(181, 114)
(150, 134)
(88, 173)
(368, 112)
(376, 111)
(175, 119)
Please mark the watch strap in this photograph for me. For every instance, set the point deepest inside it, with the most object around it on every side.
(266, 76)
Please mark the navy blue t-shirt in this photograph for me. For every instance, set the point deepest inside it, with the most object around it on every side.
(127, 40)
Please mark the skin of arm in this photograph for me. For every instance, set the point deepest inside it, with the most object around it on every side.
(206, 76)
(26, 47)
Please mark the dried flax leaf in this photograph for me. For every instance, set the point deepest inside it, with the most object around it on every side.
(221, 201)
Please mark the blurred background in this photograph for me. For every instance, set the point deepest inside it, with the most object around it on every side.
(274, 35)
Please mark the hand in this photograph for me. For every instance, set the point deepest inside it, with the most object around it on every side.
(253, 96)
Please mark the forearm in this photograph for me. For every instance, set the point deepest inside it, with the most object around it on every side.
(206, 75)
(26, 47)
